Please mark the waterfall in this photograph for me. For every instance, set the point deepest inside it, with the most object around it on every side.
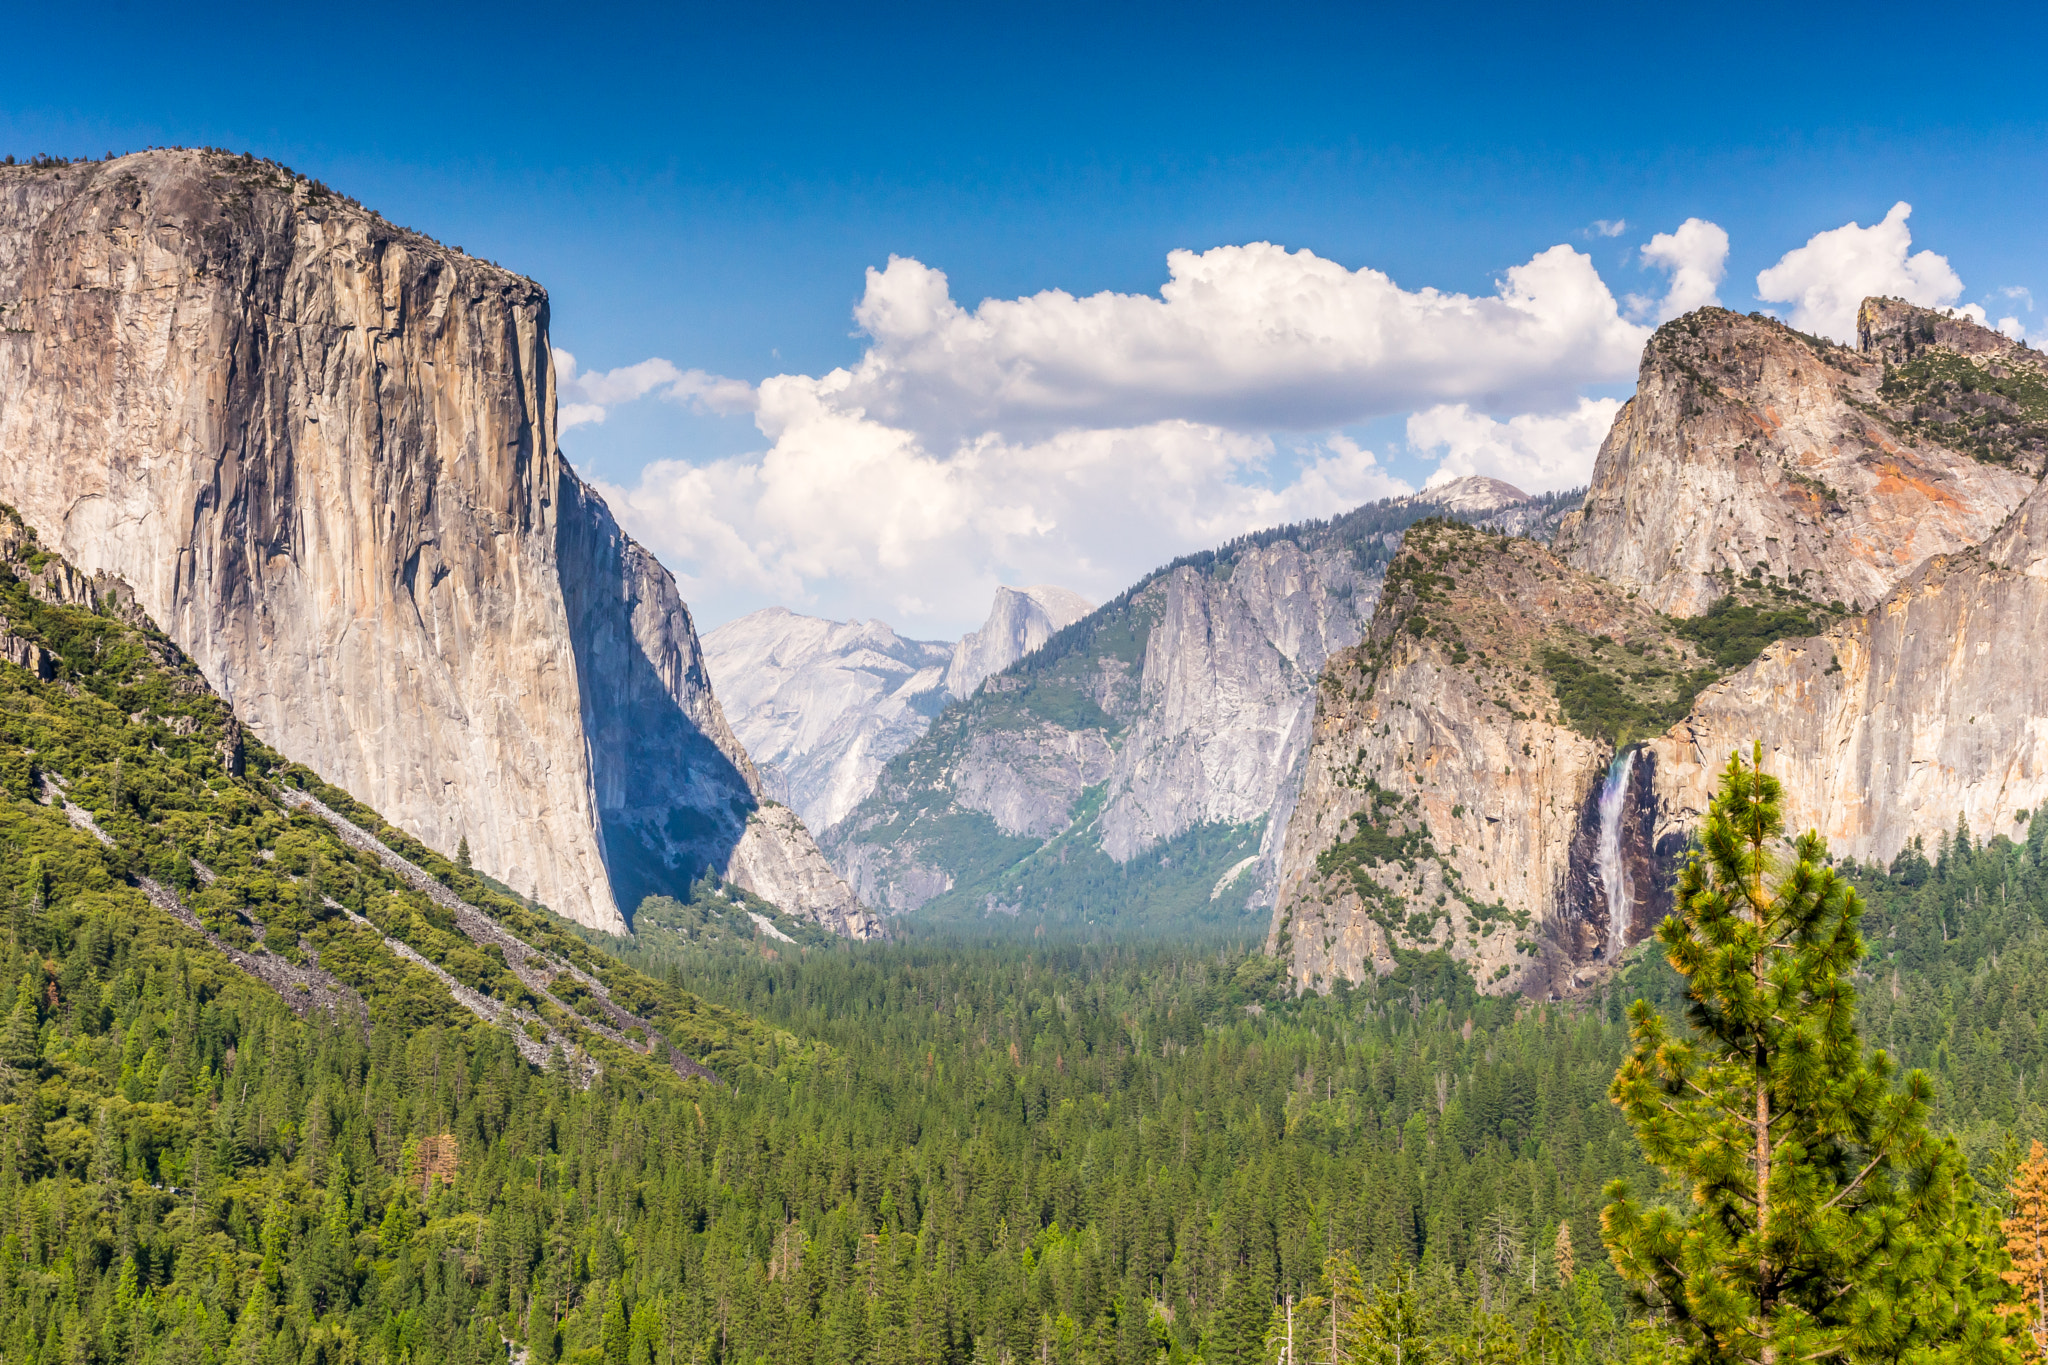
(1613, 875)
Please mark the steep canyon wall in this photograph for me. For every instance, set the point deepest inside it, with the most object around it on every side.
(322, 450)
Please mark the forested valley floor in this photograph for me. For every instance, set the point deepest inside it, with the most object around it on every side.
(936, 1150)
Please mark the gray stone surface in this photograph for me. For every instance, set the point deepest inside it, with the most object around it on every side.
(322, 450)
(1749, 445)
(1895, 723)
(1019, 621)
(822, 705)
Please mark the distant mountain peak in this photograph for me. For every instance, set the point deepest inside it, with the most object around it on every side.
(1019, 621)
(1471, 493)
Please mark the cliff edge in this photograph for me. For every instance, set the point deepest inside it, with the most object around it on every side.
(322, 449)
(1750, 448)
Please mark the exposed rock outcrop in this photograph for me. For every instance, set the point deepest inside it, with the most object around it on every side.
(1146, 756)
(322, 450)
(1179, 705)
(1756, 464)
(1449, 799)
(1019, 621)
(823, 705)
(1893, 724)
(1751, 447)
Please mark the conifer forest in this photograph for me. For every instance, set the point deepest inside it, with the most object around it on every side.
(271, 1095)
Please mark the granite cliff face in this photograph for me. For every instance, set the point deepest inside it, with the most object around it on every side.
(1142, 763)
(322, 450)
(1019, 621)
(1750, 446)
(823, 705)
(1930, 708)
(1450, 798)
(1538, 730)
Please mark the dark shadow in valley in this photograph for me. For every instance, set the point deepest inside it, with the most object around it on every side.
(670, 803)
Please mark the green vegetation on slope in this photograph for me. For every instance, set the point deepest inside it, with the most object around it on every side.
(1625, 693)
(1084, 681)
(1621, 704)
(1734, 632)
(1068, 882)
(929, 1152)
(720, 917)
(1996, 411)
(1083, 1155)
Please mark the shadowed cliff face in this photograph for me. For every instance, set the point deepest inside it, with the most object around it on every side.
(673, 786)
(322, 450)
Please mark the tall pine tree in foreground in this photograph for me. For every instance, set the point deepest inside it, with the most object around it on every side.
(1820, 1219)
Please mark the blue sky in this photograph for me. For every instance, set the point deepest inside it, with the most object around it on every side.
(709, 186)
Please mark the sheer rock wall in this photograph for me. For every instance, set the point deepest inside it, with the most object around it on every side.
(322, 450)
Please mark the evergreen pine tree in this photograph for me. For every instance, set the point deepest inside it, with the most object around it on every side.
(26, 1140)
(462, 854)
(1391, 1327)
(21, 1042)
(1824, 1222)
(1345, 1323)
(540, 1331)
(615, 1329)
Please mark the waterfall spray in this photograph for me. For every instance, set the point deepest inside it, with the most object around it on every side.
(1613, 875)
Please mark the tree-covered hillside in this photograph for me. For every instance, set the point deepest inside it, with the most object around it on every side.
(922, 1152)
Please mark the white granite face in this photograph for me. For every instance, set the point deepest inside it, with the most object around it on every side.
(322, 450)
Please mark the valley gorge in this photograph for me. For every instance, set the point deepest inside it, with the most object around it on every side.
(322, 450)
(1142, 762)
(822, 705)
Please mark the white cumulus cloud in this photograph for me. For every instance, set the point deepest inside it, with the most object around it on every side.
(1696, 257)
(1537, 453)
(844, 515)
(1083, 440)
(1253, 338)
(1827, 279)
(587, 397)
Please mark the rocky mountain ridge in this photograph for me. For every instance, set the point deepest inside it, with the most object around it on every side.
(1142, 762)
(1020, 620)
(1749, 447)
(823, 705)
(1536, 727)
(1445, 801)
(323, 451)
